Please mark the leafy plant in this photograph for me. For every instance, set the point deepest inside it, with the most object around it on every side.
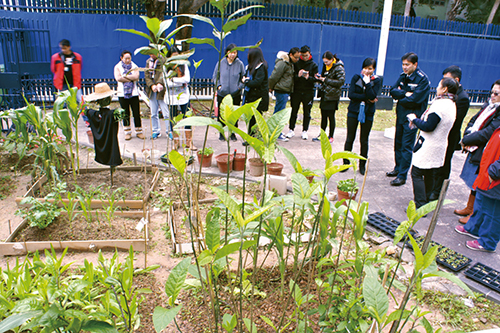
(348, 185)
(40, 214)
(206, 151)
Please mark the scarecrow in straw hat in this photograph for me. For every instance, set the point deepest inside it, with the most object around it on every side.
(104, 126)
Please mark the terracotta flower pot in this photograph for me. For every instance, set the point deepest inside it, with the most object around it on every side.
(205, 160)
(310, 178)
(275, 169)
(345, 195)
(222, 163)
(256, 167)
(239, 162)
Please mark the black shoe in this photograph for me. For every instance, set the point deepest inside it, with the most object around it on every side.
(398, 182)
(362, 169)
(233, 137)
(221, 137)
(392, 173)
(433, 197)
(245, 143)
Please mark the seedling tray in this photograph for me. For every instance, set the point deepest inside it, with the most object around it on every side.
(385, 224)
(485, 275)
(446, 257)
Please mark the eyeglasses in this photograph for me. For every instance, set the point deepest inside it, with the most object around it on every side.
(494, 93)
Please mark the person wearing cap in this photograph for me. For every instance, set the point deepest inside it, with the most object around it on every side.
(303, 90)
(411, 90)
(104, 126)
(67, 68)
(155, 89)
(127, 75)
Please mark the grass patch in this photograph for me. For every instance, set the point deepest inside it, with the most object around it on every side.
(7, 186)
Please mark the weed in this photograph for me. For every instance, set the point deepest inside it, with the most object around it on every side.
(7, 185)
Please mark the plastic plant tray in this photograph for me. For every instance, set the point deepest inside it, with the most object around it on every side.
(446, 257)
(484, 275)
(384, 223)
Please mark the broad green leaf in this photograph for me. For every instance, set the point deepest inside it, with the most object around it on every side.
(230, 204)
(197, 64)
(253, 216)
(136, 32)
(395, 316)
(300, 186)
(229, 322)
(75, 325)
(452, 277)
(212, 236)
(375, 297)
(232, 25)
(153, 25)
(199, 121)
(162, 317)
(427, 325)
(164, 25)
(233, 247)
(419, 257)
(250, 325)
(17, 320)
(199, 18)
(177, 161)
(239, 11)
(208, 41)
(334, 169)
(326, 146)
(147, 50)
(277, 123)
(176, 279)
(410, 210)
(269, 322)
(401, 231)
(98, 326)
(220, 5)
(292, 159)
(430, 256)
(205, 257)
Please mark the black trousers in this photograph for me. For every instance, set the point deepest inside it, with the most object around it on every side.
(443, 172)
(131, 103)
(296, 98)
(328, 114)
(352, 127)
(423, 184)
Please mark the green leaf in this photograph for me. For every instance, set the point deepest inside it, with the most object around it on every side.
(419, 257)
(162, 317)
(430, 256)
(336, 168)
(250, 325)
(230, 204)
(292, 159)
(136, 32)
(239, 11)
(208, 41)
(229, 322)
(410, 210)
(269, 322)
(178, 161)
(205, 258)
(233, 247)
(427, 325)
(199, 18)
(453, 278)
(232, 25)
(212, 236)
(99, 327)
(164, 25)
(176, 279)
(375, 297)
(17, 320)
(199, 121)
(401, 231)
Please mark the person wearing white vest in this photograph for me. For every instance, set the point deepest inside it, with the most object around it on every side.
(430, 147)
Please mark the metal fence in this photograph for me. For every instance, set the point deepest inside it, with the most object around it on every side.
(275, 12)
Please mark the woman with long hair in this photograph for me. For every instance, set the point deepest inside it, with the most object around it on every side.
(363, 95)
(430, 147)
(256, 84)
(332, 79)
(128, 95)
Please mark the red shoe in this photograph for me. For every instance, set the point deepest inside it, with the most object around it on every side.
(474, 245)
(461, 230)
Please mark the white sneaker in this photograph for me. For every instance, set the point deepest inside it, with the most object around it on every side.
(282, 138)
(304, 135)
(290, 134)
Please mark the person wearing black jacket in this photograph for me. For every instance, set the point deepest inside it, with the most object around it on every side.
(256, 84)
(363, 94)
(462, 102)
(303, 90)
(411, 90)
(476, 135)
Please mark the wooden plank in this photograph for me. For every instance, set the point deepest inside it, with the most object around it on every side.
(22, 248)
(36, 186)
(133, 204)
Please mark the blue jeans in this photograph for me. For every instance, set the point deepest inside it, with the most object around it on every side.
(281, 100)
(156, 104)
(485, 221)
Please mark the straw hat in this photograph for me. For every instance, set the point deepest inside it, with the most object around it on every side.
(101, 90)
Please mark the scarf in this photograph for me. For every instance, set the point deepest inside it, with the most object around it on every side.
(128, 86)
(483, 116)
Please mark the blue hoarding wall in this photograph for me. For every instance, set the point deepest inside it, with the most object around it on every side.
(95, 37)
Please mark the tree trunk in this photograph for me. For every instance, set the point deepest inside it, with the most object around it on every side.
(187, 7)
(155, 9)
(493, 12)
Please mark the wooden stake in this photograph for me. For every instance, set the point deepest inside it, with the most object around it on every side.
(10, 230)
(135, 159)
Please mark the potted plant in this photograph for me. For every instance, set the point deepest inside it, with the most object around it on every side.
(205, 157)
(347, 189)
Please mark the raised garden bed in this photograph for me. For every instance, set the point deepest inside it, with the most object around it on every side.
(99, 231)
(446, 256)
(385, 224)
(485, 275)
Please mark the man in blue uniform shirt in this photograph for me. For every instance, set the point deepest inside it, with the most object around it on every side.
(411, 90)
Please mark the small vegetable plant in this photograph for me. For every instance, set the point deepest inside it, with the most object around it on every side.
(40, 213)
(347, 185)
(206, 151)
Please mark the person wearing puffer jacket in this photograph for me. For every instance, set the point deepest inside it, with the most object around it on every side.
(484, 223)
(332, 79)
(281, 79)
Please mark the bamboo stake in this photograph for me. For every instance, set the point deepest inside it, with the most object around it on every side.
(135, 159)
(10, 230)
